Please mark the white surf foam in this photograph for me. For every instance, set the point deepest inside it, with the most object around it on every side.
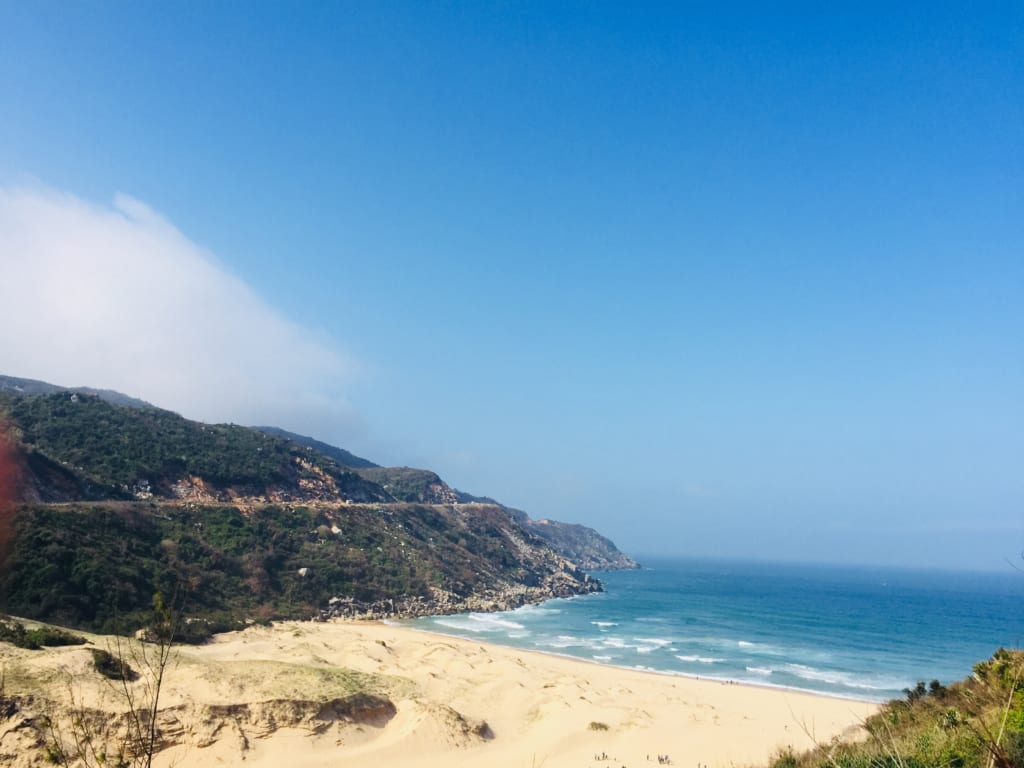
(701, 659)
(478, 622)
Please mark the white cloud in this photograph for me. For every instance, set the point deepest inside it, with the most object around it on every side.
(117, 297)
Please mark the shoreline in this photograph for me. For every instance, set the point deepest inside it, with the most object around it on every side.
(637, 668)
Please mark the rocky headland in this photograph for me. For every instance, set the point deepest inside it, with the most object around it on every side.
(113, 500)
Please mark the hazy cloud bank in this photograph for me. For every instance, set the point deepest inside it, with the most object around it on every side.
(117, 297)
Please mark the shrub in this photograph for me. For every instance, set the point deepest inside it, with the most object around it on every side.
(14, 632)
(53, 637)
(111, 666)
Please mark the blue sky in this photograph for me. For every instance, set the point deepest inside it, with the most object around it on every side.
(735, 280)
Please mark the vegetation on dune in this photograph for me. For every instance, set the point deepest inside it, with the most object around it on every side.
(76, 736)
(976, 723)
(112, 667)
(15, 633)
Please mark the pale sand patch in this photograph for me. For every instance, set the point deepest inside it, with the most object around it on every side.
(537, 708)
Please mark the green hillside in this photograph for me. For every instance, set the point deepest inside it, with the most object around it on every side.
(340, 455)
(34, 387)
(116, 503)
(83, 444)
(97, 566)
(129, 453)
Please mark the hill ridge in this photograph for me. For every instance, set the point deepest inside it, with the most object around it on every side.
(159, 454)
(115, 503)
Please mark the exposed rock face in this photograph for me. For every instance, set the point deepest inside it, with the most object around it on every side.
(417, 486)
(582, 545)
(565, 584)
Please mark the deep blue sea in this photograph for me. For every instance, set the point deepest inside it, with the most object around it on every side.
(856, 632)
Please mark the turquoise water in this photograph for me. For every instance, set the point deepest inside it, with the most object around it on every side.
(862, 633)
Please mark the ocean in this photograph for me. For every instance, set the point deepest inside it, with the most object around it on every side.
(856, 632)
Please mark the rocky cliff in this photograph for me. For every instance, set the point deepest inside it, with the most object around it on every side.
(582, 545)
(116, 500)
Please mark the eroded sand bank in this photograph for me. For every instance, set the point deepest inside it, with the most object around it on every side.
(455, 703)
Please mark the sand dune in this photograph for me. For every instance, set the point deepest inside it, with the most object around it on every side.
(283, 696)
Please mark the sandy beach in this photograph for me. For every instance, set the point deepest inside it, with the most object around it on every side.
(256, 698)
